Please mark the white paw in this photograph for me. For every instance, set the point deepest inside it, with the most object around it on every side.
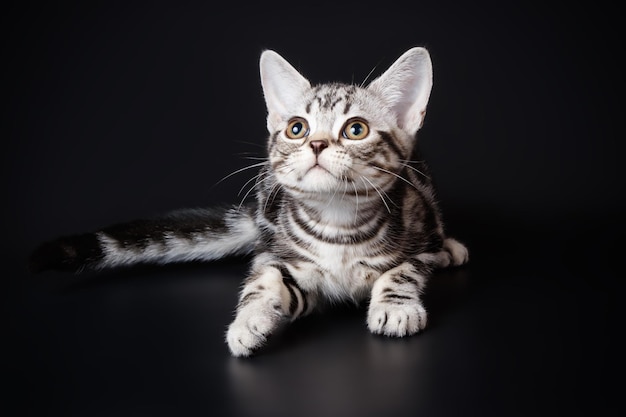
(250, 330)
(396, 320)
(457, 250)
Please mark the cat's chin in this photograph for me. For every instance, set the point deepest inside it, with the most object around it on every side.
(318, 180)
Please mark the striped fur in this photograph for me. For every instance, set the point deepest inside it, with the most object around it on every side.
(345, 210)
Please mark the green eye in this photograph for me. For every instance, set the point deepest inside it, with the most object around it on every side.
(356, 129)
(297, 128)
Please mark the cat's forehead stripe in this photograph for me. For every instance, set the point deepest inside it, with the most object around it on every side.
(346, 109)
(327, 97)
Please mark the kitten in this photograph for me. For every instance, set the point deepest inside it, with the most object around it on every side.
(345, 210)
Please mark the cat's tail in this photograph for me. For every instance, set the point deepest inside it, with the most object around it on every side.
(185, 235)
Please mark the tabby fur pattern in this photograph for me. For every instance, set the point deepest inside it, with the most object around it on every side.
(345, 209)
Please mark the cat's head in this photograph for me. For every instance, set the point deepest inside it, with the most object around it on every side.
(342, 137)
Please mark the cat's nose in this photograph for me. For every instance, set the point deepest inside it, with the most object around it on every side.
(318, 146)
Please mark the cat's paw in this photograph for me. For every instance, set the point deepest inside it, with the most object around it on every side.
(459, 254)
(396, 320)
(251, 328)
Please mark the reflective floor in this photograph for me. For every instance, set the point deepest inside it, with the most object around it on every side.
(525, 329)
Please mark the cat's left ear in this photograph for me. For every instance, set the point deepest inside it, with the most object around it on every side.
(283, 87)
(405, 88)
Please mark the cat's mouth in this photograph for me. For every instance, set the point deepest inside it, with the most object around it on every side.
(317, 167)
(318, 172)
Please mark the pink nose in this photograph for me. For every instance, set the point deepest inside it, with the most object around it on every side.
(318, 146)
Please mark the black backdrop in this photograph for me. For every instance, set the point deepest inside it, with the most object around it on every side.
(120, 110)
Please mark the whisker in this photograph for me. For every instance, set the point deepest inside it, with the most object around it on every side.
(254, 158)
(411, 161)
(412, 168)
(251, 143)
(267, 200)
(356, 196)
(256, 184)
(273, 193)
(256, 177)
(240, 170)
(369, 75)
(376, 167)
(395, 175)
(345, 187)
(387, 195)
(331, 198)
(367, 189)
(376, 189)
(276, 187)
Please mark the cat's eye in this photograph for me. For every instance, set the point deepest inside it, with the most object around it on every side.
(356, 129)
(297, 128)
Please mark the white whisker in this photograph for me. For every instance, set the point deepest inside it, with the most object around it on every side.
(256, 184)
(256, 177)
(254, 158)
(260, 145)
(395, 175)
(415, 169)
(368, 75)
(356, 196)
(411, 161)
(240, 170)
(332, 198)
(376, 189)
(345, 187)
(273, 193)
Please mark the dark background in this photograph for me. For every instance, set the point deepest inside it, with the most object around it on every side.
(121, 110)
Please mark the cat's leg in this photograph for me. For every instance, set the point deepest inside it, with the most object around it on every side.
(453, 253)
(268, 298)
(395, 307)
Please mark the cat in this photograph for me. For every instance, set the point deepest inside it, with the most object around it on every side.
(345, 209)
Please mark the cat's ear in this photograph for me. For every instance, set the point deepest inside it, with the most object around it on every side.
(405, 88)
(283, 87)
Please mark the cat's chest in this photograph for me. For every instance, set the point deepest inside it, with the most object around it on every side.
(340, 257)
(338, 271)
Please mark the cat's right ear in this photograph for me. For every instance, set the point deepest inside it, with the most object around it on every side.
(283, 87)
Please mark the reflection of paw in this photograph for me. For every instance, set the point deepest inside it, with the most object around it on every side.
(396, 320)
(458, 252)
(251, 329)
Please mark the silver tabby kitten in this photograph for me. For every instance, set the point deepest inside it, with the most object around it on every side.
(343, 211)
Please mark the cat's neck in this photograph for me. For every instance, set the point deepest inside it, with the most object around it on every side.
(339, 210)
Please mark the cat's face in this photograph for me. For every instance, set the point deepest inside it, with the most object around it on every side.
(337, 140)
(346, 139)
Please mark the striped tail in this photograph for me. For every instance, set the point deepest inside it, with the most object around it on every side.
(185, 235)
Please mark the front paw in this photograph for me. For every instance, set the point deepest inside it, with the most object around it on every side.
(251, 329)
(396, 320)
